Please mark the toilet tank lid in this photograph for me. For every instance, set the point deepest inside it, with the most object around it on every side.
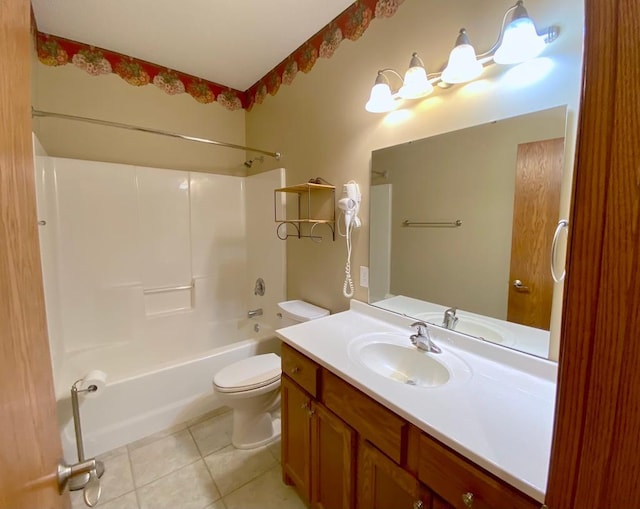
(247, 372)
(301, 311)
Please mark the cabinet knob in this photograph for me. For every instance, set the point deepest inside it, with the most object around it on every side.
(304, 405)
(467, 499)
(418, 504)
(295, 369)
(311, 412)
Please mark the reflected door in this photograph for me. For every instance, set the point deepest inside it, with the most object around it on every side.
(535, 215)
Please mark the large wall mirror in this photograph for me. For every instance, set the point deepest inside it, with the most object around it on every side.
(465, 220)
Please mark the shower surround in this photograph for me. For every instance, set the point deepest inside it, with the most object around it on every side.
(149, 274)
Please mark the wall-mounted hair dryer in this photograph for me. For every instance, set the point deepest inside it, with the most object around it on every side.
(349, 204)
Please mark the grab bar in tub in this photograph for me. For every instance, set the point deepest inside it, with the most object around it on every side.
(165, 289)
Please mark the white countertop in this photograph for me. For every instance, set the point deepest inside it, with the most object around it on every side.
(501, 417)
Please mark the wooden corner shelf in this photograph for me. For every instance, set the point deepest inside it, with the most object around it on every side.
(315, 205)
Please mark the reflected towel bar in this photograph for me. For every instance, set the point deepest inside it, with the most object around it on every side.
(167, 289)
(453, 224)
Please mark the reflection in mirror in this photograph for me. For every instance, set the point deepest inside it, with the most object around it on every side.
(465, 221)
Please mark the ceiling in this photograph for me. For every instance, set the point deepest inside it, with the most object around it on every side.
(229, 42)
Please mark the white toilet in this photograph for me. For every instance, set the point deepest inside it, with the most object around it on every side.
(251, 387)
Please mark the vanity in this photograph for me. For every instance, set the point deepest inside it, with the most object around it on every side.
(370, 421)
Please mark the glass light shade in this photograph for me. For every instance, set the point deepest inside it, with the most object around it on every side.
(380, 100)
(520, 42)
(416, 84)
(463, 65)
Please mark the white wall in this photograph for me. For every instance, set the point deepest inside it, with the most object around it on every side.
(114, 231)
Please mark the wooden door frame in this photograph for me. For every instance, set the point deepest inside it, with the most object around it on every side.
(30, 443)
(595, 457)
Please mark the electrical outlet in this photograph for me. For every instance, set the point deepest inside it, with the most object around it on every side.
(364, 276)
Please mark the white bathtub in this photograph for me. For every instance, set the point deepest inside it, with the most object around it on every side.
(150, 386)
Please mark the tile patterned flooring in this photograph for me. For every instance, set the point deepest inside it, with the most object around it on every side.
(193, 466)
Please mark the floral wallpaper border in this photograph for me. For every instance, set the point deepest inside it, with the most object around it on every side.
(350, 24)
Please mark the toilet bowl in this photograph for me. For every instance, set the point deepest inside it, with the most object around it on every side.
(251, 387)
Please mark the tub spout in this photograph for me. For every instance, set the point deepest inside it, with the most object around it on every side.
(254, 312)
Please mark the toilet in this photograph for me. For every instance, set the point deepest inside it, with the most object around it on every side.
(251, 386)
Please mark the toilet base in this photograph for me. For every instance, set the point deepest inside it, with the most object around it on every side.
(251, 431)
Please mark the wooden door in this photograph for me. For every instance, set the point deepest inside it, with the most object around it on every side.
(384, 485)
(595, 458)
(535, 217)
(29, 441)
(296, 437)
(333, 449)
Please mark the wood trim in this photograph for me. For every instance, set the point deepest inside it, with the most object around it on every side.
(594, 460)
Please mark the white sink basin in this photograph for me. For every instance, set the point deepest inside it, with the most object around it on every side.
(472, 327)
(404, 364)
(395, 358)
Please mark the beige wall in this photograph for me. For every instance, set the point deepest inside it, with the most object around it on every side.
(320, 125)
(70, 90)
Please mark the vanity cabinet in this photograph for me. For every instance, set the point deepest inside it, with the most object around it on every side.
(337, 443)
(383, 484)
(318, 448)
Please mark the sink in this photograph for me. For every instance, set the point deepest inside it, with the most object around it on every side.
(404, 364)
(393, 357)
(472, 327)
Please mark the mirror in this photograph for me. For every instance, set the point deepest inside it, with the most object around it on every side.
(465, 220)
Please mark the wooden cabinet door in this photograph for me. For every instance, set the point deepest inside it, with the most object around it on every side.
(333, 449)
(384, 485)
(296, 437)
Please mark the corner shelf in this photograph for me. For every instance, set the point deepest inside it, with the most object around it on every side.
(314, 196)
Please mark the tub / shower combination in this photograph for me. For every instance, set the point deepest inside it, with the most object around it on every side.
(152, 386)
(149, 275)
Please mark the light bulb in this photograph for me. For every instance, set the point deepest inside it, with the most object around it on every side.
(463, 65)
(520, 42)
(380, 100)
(416, 84)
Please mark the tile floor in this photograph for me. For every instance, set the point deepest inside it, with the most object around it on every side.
(193, 466)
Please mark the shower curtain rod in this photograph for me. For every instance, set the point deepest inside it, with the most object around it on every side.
(39, 113)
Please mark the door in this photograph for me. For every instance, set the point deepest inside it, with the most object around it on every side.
(29, 443)
(384, 485)
(296, 437)
(333, 449)
(535, 217)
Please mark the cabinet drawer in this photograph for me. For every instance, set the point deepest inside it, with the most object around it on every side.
(451, 477)
(378, 425)
(300, 369)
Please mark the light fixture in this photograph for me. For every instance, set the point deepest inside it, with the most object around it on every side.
(520, 40)
(381, 100)
(463, 65)
(517, 41)
(416, 84)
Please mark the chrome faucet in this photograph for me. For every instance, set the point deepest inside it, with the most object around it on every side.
(421, 339)
(450, 319)
(254, 312)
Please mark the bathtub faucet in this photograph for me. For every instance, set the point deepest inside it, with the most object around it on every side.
(254, 312)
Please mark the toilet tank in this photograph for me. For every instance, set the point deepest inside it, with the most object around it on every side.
(298, 311)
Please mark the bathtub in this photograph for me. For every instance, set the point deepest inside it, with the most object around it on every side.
(151, 385)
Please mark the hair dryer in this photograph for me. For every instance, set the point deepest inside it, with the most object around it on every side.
(349, 204)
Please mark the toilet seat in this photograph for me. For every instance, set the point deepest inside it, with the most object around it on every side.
(249, 374)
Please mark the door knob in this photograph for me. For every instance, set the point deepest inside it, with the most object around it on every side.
(93, 488)
(520, 287)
